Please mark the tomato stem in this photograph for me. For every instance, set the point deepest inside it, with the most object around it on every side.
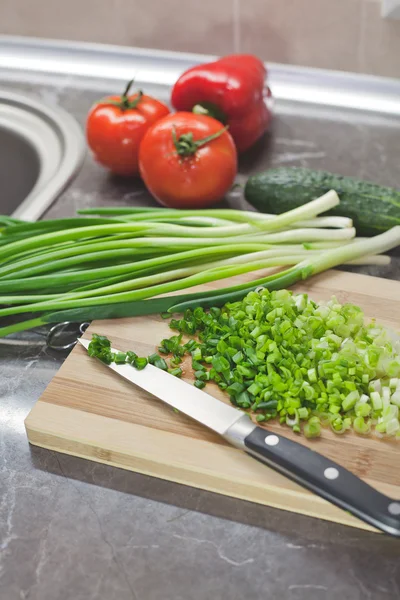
(186, 146)
(127, 88)
(124, 103)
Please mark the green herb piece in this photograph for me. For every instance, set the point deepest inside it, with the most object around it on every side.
(199, 384)
(157, 361)
(120, 358)
(177, 372)
(312, 428)
(131, 357)
(140, 363)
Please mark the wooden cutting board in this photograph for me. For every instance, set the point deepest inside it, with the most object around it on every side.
(88, 411)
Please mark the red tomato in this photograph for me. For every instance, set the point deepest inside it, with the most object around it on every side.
(116, 126)
(188, 160)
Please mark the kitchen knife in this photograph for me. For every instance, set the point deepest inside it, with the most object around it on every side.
(301, 464)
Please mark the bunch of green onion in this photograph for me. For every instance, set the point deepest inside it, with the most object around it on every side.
(123, 261)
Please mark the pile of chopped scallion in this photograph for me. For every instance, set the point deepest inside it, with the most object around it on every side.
(281, 355)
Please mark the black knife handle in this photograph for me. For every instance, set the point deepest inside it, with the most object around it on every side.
(326, 478)
(318, 474)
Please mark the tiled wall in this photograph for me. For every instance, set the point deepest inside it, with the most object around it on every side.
(335, 34)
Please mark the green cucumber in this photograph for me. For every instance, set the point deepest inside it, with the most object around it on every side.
(372, 207)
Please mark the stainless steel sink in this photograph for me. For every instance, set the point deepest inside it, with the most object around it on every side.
(41, 150)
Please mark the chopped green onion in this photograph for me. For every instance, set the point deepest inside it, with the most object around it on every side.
(131, 357)
(376, 400)
(360, 426)
(350, 401)
(177, 372)
(120, 358)
(199, 384)
(140, 363)
(312, 428)
(284, 356)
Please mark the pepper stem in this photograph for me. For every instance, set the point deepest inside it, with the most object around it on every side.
(186, 146)
(210, 110)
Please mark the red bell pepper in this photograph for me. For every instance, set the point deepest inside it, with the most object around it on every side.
(233, 90)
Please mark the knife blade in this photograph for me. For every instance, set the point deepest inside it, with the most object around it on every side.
(307, 467)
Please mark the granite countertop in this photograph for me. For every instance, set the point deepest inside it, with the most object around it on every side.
(71, 529)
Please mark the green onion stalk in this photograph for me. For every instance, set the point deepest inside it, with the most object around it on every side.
(122, 262)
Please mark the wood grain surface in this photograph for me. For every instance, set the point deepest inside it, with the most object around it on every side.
(88, 411)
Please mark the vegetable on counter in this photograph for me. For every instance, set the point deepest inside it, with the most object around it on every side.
(233, 90)
(372, 208)
(116, 125)
(188, 160)
(121, 262)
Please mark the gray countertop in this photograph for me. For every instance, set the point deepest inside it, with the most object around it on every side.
(77, 530)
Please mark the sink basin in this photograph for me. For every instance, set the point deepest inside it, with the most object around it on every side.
(19, 169)
(41, 150)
